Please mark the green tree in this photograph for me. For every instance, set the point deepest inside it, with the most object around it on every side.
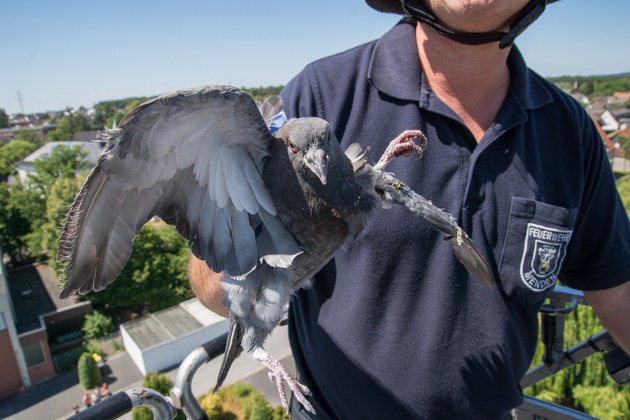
(68, 125)
(594, 86)
(154, 278)
(579, 386)
(25, 209)
(21, 209)
(4, 119)
(107, 111)
(30, 136)
(260, 93)
(12, 153)
(61, 195)
(114, 119)
(89, 375)
(623, 186)
(97, 325)
(603, 402)
(62, 162)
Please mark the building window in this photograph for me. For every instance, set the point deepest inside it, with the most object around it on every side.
(33, 354)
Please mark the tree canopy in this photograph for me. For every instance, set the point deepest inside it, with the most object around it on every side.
(594, 86)
(62, 162)
(24, 206)
(4, 119)
(68, 125)
(30, 136)
(154, 278)
(12, 153)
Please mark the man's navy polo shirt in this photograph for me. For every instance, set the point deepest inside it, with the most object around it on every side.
(394, 327)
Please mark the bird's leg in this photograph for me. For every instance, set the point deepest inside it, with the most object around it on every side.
(403, 145)
(279, 374)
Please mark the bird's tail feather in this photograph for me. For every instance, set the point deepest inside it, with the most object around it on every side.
(233, 349)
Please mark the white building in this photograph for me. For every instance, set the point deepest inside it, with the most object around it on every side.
(163, 339)
(25, 166)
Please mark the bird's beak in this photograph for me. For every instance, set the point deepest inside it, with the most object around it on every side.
(317, 161)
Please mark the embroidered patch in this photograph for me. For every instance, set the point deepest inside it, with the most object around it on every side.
(543, 252)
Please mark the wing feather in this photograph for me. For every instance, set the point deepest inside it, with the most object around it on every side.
(195, 158)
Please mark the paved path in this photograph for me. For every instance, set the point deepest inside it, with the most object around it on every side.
(55, 398)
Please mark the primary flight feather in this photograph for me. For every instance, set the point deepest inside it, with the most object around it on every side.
(268, 210)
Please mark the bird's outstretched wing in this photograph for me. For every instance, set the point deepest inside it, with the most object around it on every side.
(193, 158)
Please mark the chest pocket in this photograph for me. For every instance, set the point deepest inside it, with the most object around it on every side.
(536, 243)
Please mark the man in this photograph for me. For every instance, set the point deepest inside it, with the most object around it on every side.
(394, 327)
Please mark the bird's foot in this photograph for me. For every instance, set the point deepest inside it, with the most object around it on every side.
(403, 145)
(279, 375)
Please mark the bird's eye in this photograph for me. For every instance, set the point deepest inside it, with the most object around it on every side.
(292, 146)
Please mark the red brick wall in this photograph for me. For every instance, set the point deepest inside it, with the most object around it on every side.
(10, 379)
(46, 369)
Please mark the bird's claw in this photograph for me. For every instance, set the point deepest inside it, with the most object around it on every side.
(279, 375)
(403, 145)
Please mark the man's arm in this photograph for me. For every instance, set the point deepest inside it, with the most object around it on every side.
(205, 285)
(612, 307)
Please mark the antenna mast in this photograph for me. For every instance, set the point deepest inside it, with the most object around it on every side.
(20, 99)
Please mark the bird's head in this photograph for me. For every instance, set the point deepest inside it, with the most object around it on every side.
(308, 141)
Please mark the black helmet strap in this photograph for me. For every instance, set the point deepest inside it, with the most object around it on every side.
(417, 10)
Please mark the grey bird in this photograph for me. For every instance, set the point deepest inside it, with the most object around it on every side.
(267, 210)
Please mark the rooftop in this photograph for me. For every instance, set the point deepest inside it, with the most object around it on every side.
(165, 325)
(93, 149)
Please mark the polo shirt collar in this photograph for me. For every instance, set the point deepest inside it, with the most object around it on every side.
(395, 70)
(394, 66)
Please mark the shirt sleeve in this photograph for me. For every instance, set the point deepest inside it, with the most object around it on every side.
(599, 252)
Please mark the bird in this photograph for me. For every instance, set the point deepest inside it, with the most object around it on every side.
(264, 199)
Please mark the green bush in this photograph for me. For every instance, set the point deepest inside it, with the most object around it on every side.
(97, 325)
(239, 401)
(160, 383)
(93, 347)
(602, 402)
(262, 411)
(586, 386)
(89, 375)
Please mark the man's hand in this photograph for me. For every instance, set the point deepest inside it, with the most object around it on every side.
(205, 284)
(612, 307)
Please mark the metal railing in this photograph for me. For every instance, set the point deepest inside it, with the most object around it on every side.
(162, 407)
(562, 301)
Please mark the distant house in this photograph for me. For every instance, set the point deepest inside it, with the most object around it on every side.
(609, 122)
(580, 97)
(25, 166)
(621, 97)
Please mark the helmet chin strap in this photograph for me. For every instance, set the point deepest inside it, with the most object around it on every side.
(417, 10)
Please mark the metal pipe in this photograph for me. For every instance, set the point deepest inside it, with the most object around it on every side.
(597, 343)
(181, 393)
(162, 407)
(108, 408)
(124, 401)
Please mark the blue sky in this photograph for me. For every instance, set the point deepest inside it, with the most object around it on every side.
(73, 53)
